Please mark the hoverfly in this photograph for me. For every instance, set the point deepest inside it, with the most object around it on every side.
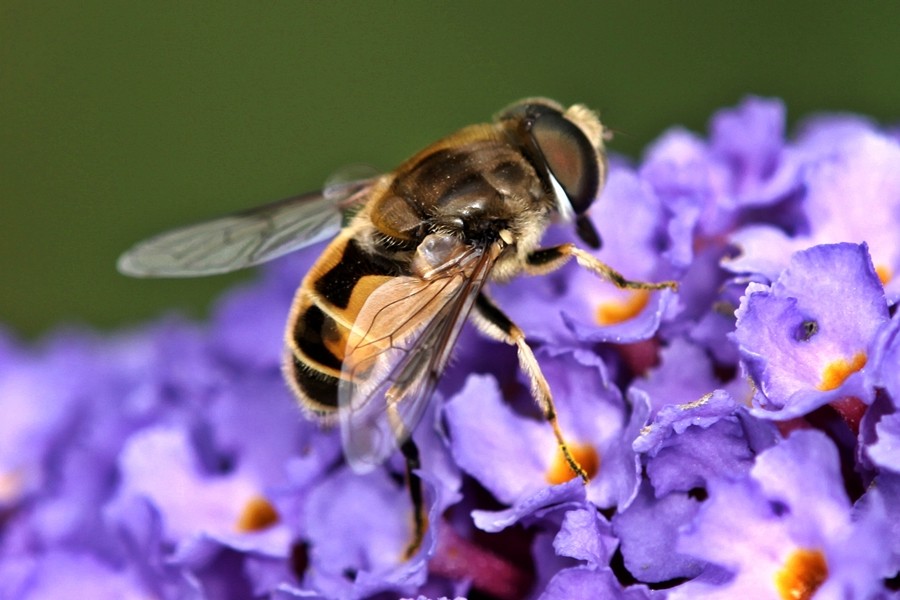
(376, 318)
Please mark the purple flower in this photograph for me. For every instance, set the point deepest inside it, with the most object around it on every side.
(882, 501)
(885, 356)
(583, 583)
(689, 445)
(710, 186)
(485, 433)
(798, 535)
(638, 241)
(750, 139)
(684, 374)
(58, 573)
(806, 337)
(845, 172)
(741, 434)
(648, 530)
(585, 535)
(359, 525)
(686, 449)
(161, 465)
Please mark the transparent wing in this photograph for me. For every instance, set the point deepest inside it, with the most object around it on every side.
(401, 341)
(246, 238)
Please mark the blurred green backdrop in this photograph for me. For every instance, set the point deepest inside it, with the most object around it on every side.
(120, 119)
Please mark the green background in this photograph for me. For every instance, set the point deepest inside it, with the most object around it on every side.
(120, 119)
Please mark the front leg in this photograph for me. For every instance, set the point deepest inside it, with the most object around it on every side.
(546, 260)
(494, 323)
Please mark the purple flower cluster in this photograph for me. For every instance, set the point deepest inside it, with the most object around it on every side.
(742, 434)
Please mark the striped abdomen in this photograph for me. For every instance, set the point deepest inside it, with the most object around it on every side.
(324, 310)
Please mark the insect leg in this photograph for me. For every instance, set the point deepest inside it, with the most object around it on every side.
(545, 260)
(494, 323)
(420, 517)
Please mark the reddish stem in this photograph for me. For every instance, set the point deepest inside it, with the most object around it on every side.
(461, 559)
(851, 409)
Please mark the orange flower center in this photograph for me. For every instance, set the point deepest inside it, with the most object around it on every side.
(617, 311)
(885, 274)
(258, 514)
(802, 574)
(584, 454)
(836, 372)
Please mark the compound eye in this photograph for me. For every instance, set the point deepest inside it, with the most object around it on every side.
(571, 160)
(529, 109)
